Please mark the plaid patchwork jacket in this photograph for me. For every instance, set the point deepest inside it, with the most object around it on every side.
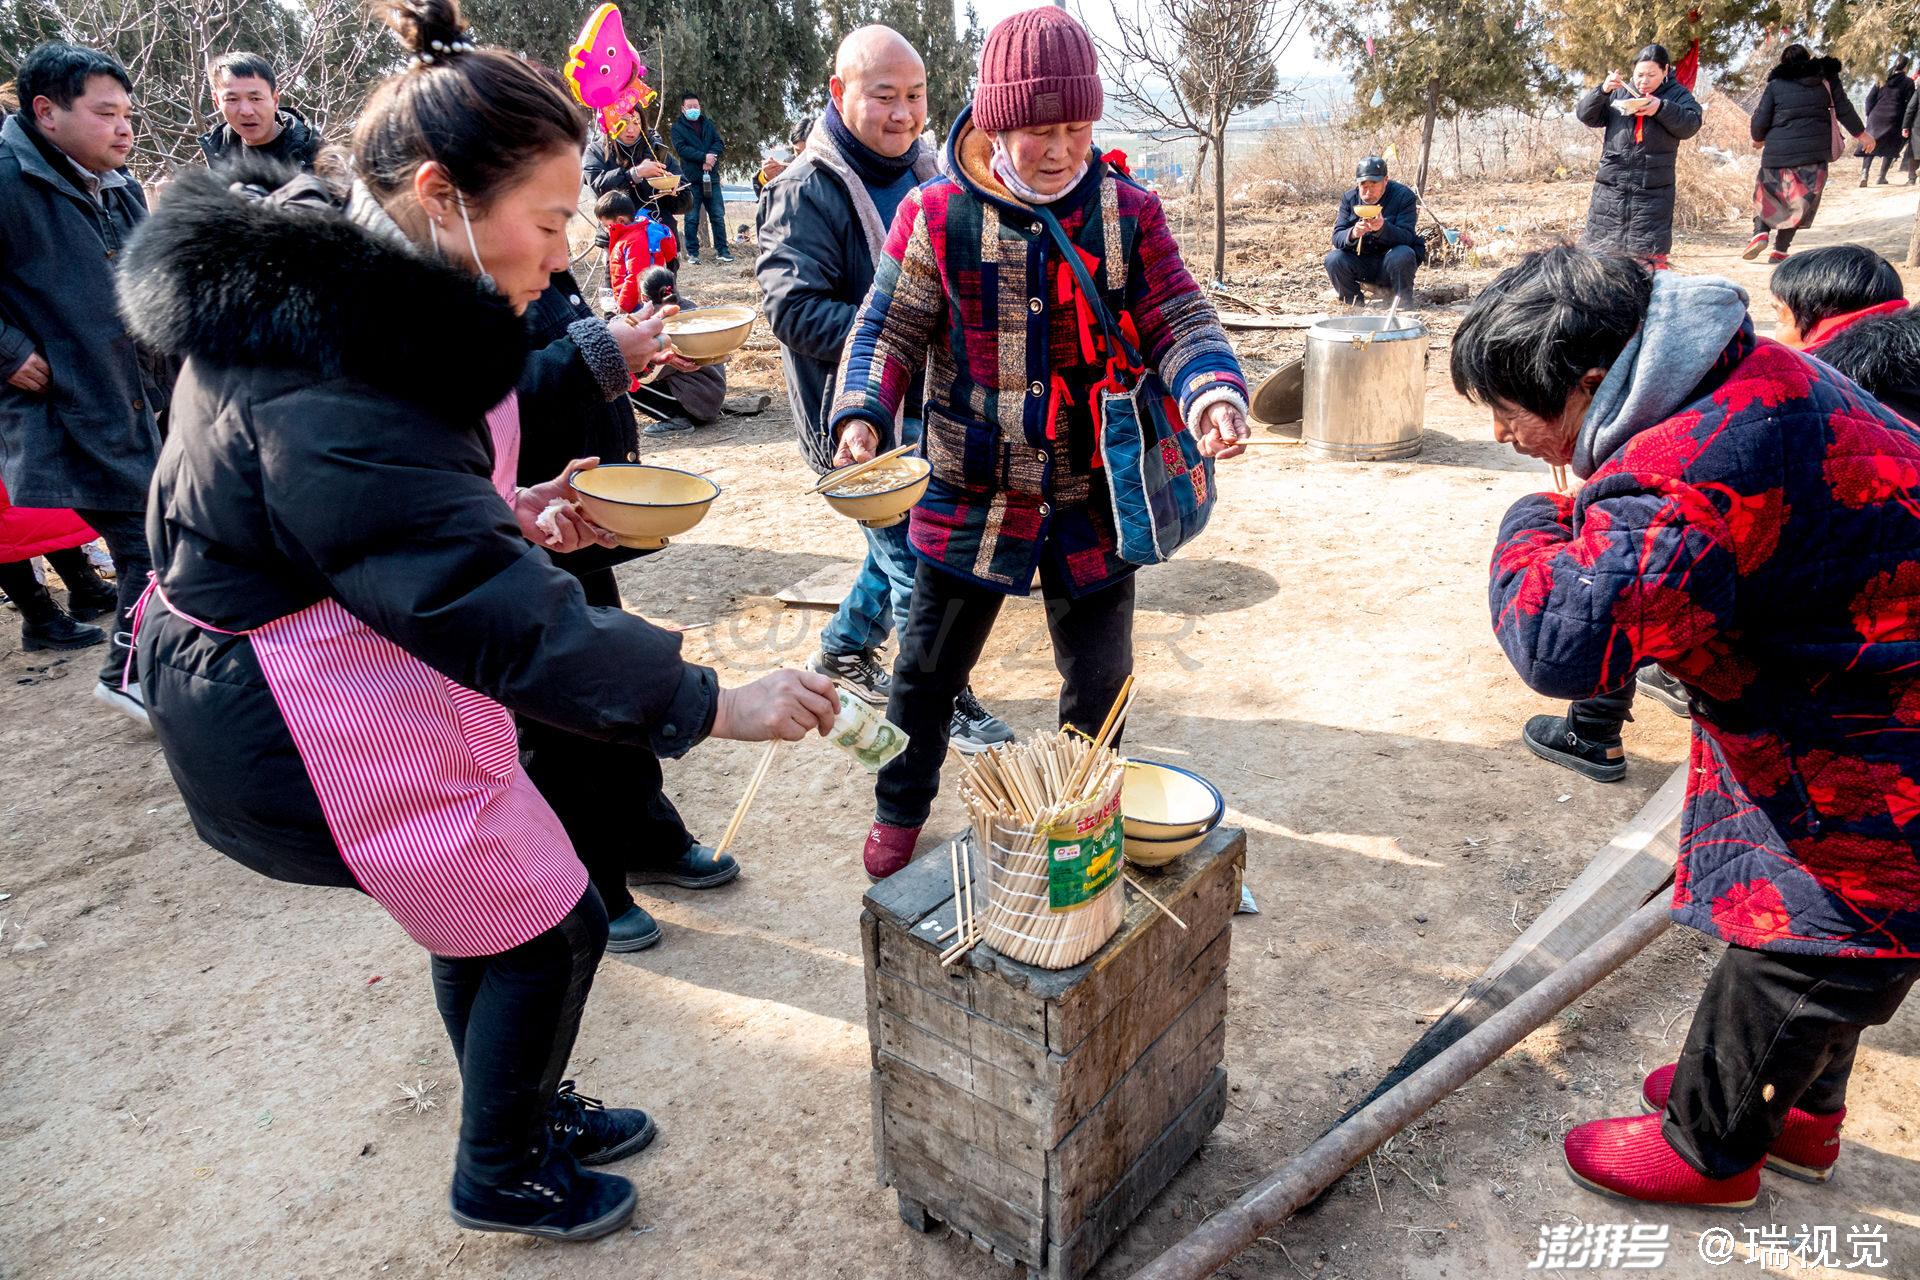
(1763, 545)
(972, 288)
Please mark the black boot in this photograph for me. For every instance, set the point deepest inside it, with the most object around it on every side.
(592, 1133)
(89, 596)
(557, 1200)
(1555, 738)
(44, 624)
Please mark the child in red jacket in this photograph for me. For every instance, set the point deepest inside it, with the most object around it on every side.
(634, 243)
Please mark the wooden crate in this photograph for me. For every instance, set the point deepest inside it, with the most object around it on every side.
(1037, 1111)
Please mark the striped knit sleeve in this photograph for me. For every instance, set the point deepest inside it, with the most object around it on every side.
(1179, 333)
(891, 333)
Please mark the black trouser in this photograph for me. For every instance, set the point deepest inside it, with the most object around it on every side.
(1773, 1031)
(512, 1018)
(17, 580)
(1783, 236)
(1884, 155)
(1598, 719)
(125, 533)
(946, 630)
(592, 785)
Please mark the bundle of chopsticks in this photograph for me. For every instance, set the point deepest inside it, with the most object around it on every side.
(1014, 795)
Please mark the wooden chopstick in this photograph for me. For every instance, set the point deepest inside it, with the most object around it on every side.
(1137, 888)
(746, 801)
(835, 478)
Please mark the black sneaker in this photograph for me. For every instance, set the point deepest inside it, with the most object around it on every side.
(584, 1128)
(698, 868)
(1655, 683)
(59, 631)
(974, 727)
(557, 1201)
(1552, 738)
(666, 427)
(90, 600)
(632, 930)
(859, 673)
(726, 257)
(693, 258)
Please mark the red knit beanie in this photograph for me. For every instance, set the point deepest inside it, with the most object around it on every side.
(1037, 67)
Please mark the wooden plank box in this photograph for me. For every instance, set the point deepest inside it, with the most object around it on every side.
(1037, 1111)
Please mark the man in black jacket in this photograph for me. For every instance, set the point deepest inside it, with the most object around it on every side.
(1384, 248)
(248, 95)
(700, 148)
(79, 424)
(822, 224)
(573, 404)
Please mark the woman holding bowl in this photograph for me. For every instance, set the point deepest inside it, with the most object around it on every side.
(348, 607)
(1645, 119)
(972, 289)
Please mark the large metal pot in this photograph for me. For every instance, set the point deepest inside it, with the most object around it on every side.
(1366, 388)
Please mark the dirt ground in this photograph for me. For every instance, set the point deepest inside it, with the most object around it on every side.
(201, 1071)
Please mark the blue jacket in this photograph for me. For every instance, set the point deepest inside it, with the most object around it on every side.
(1399, 206)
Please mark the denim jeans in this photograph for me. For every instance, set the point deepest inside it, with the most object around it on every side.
(880, 599)
(125, 533)
(512, 1018)
(707, 197)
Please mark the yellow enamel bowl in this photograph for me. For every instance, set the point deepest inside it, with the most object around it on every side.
(643, 505)
(667, 182)
(1158, 853)
(885, 494)
(1366, 211)
(1161, 803)
(708, 333)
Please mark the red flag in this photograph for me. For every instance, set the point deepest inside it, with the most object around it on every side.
(1687, 70)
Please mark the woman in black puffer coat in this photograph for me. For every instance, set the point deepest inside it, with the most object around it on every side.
(1793, 127)
(1886, 108)
(1632, 207)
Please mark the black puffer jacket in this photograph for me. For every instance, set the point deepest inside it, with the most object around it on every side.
(297, 144)
(1632, 207)
(608, 166)
(1792, 118)
(329, 443)
(1886, 108)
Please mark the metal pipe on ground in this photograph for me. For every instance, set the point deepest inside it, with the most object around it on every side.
(1293, 1184)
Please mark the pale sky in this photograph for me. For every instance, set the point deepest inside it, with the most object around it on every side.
(1297, 60)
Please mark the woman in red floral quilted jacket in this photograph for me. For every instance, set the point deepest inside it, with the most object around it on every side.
(1751, 521)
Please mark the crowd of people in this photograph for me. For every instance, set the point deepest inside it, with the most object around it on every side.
(382, 649)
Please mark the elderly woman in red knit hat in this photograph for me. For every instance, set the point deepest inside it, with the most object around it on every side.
(974, 292)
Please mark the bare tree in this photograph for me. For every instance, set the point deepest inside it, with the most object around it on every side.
(1188, 67)
(325, 52)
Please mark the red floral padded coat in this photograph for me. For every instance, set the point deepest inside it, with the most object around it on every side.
(1763, 545)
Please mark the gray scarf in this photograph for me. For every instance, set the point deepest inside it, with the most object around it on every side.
(1690, 320)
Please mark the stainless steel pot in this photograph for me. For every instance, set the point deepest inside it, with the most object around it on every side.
(1366, 388)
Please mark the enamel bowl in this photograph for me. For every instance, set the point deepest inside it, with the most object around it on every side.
(665, 182)
(883, 496)
(1162, 803)
(642, 505)
(709, 333)
(1158, 853)
(1366, 211)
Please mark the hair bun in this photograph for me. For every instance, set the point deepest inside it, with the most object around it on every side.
(428, 29)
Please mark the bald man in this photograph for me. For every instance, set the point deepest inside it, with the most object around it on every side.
(823, 223)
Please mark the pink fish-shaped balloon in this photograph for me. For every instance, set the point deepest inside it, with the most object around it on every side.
(605, 73)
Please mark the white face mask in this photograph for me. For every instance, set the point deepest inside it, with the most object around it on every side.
(433, 230)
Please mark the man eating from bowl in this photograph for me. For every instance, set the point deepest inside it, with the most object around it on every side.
(1376, 238)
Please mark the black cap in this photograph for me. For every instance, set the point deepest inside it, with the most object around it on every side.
(1373, 168)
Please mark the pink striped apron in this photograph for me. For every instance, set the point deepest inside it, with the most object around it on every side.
(419, 778)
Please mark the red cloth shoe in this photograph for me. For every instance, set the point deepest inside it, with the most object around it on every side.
(1627, 1158)
(1807, 1148)
(1755, 246)
(889, 848)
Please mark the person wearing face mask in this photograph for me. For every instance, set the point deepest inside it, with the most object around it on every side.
(352, 598)
(1751, 521)
(700, 148)
(80, 400)
(1011, 432)
(1792, 129)
(1645, 121)
(823, 227)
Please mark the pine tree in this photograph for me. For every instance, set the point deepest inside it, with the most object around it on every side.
(1432, 60)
